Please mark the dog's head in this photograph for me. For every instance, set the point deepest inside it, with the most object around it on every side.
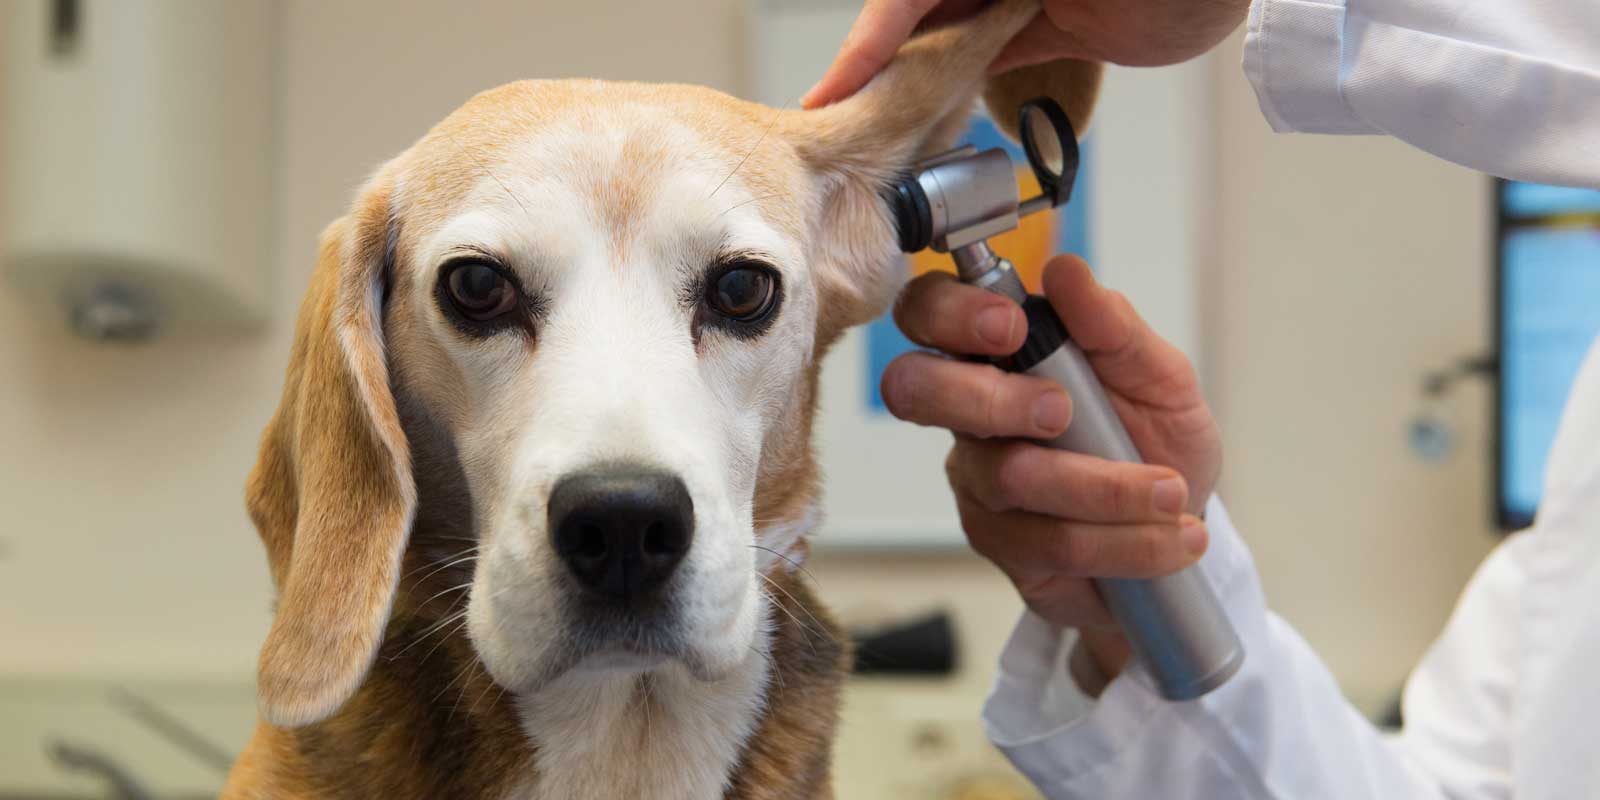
(583, 320)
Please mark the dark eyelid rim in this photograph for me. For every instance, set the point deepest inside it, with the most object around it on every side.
(725, 259)
(461, 255)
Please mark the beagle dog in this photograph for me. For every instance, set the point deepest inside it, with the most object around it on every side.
(537, 491)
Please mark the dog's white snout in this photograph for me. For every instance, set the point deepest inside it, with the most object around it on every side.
(621, 529)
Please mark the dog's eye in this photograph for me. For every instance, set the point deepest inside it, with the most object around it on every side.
(479, 291)
(743, 292)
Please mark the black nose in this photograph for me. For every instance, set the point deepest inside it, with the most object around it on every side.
(621, 530)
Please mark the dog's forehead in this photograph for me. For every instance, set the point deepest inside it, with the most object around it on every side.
(623, 149)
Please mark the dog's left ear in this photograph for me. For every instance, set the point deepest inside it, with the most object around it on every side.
(915, 107)
(332, 494)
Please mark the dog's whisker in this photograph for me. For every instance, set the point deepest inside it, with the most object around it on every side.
(800, 605)
(748, 202)
(437, 595)
(803, 627)
(793, 563)
(446, 637)
(421, 637)
(461, 673)
(456, 554)
(776, 115)
(486, 691)
(472, 662)
(462, 560)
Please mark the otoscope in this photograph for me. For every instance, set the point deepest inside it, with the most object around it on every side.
(953, 202)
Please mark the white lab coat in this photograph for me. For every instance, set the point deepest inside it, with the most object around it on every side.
(1506, 704)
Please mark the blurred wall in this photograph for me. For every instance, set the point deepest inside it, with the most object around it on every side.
(1346, 268)
(1342, 269)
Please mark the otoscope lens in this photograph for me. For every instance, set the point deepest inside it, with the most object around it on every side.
(1044, 140)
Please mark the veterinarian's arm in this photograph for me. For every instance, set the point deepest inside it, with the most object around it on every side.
(1280, 728)
(1508, 88)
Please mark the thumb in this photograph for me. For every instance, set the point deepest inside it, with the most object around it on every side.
(875, 37)
(1127, 353)
(1038, 43)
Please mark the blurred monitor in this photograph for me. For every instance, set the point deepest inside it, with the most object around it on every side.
(1548, 312)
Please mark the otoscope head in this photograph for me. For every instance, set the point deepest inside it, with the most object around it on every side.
(964, 196)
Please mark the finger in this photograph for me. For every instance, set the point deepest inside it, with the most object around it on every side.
(1125, 350)
(883, 26)
(1036, 545)
(974, 399)
(1041, 41)
(938, 311)
(1022, 476)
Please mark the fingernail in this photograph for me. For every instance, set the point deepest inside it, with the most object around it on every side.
(810, 95)
(994, 325)
(1167, 495)
(1193, 536)
(1051, 412)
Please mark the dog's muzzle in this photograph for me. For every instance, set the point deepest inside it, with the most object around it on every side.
(621, 531)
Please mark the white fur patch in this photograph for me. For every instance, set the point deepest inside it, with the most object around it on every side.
(604, 735)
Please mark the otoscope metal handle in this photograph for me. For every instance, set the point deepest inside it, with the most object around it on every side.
(1175, 624)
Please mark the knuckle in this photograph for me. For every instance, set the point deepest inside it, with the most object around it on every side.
(993, 405)
(1112, 497)
(902, 389)
(1036, 589)
(954, 468)
(1010, 481)
(1148, 551)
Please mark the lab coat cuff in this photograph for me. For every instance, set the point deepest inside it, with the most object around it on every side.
(1042, 721)
(1293, 52)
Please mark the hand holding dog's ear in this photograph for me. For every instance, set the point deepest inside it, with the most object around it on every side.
(1130, 32)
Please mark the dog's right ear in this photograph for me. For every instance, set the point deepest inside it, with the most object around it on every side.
(331, 493)
(915, 107)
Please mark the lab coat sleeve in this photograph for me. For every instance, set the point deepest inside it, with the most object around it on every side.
(1508, 88)
(1279, 728)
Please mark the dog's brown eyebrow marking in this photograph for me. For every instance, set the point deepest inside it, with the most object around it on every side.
(475, 160)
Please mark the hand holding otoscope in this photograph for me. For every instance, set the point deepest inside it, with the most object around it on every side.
(953, 203)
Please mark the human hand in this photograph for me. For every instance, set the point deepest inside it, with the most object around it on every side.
(1143, 33)
(1053, 520)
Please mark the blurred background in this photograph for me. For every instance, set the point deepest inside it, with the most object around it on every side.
(1347, 301)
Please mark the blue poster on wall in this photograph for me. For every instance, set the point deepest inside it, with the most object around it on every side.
(1065, 230)
(1549, 279)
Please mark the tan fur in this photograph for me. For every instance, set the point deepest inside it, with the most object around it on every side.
(366, 690)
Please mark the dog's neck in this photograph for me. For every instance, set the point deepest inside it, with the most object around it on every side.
(430, 722)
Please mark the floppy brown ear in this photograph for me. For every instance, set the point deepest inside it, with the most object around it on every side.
(331, 493)
(915, 107)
